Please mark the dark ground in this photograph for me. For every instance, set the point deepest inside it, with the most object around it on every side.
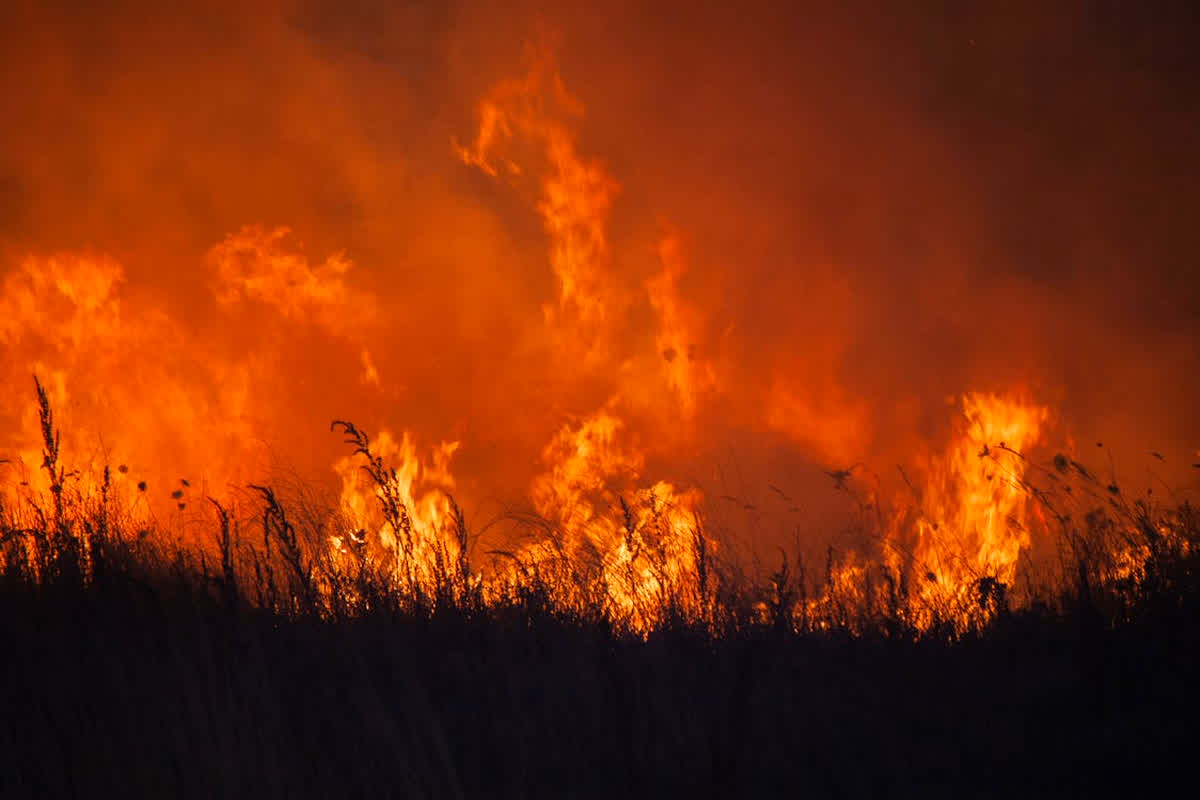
(154, 688)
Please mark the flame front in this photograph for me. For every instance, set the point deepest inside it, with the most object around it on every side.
(974, 510)
(411, 532)
(645, 545)
(588, 308)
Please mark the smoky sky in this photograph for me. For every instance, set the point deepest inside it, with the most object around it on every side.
(881, 206)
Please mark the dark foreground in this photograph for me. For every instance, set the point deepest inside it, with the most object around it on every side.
(143, 688)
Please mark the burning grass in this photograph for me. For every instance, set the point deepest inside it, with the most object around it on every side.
(289, 649)
(960, 557)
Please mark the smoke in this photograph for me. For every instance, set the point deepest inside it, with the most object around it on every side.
(792, 235)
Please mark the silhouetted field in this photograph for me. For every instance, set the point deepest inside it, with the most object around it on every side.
(153, 686)
(134, 669)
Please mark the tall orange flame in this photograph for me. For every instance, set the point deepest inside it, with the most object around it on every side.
(582, 325)
(975, 509)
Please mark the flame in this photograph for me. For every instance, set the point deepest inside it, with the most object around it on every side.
(67, 316)
(641, 541)
(418, 546)
(646, 544)
(582, 461)
(263, 266)
(575, 196)
(562, 297)
(976, 510)
(132, 386)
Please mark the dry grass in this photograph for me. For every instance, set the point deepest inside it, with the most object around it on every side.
(269, 663)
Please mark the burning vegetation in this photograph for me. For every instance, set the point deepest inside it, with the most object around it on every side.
(779, 330)
(993, 532)
(637, 374)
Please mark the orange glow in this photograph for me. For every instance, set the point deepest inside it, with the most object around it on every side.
(689, 373)
(417, 549)
(130, 367)
(642, 542)
(574, 196)
(975, 511)
(592, 296)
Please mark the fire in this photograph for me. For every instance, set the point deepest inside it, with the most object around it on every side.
(581, 461)
(135, 387)
(975, 510)
(76, 325)
(592, 324)
(645, 544)
(640, 542)
(601, 541)
(262, 266)
(575, 195)
(68, 318)
(400, 508)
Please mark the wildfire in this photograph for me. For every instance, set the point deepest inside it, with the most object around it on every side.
(974, 510)
(98, 356)
(574, 197)
(400, 506)
(134, 386)
(645, 544)
(586, 356)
